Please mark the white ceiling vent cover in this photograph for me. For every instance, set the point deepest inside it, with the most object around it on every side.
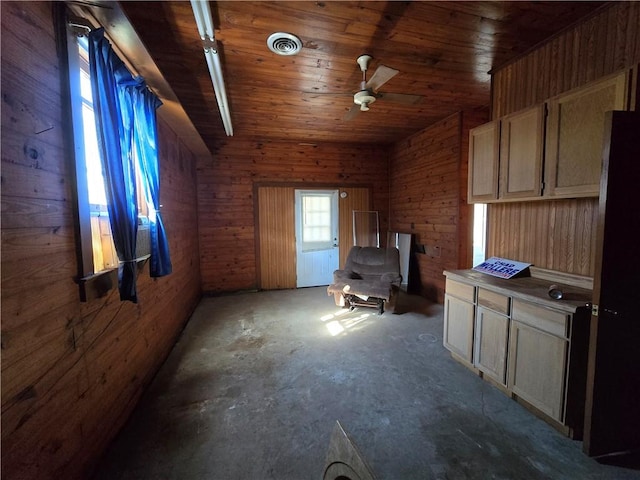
(284, 43)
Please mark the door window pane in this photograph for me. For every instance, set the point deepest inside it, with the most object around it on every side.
(316, 222)
(316, 219)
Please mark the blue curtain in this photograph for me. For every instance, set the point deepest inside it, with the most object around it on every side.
(114, 120)
(145, 104)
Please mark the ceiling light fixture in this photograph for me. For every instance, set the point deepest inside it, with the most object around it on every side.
(284, 43)
(202, 14)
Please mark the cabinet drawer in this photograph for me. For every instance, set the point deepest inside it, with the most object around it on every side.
(493, 301)
(460, 290)
(549, 321)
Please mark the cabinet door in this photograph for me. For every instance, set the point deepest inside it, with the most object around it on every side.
(458, 327)
(575, 133)
(490, 344)
(484, 147)
(537, 362)
(521, 147)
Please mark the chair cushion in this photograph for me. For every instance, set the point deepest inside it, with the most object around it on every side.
(369, 271)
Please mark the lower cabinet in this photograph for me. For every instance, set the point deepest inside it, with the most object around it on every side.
(539, 346)
(536, 353)
(490, 344)
(458, 327)
(537, 368)
(491, 334)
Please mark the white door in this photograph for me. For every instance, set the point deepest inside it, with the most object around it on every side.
(316, 237)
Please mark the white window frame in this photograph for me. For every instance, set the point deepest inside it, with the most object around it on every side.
(479, 249)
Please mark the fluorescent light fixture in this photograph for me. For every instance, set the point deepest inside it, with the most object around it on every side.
(202, 14)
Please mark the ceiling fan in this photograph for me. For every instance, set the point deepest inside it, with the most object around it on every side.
(369, 93)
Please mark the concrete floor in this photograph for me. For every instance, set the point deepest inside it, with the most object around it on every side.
(254, 386)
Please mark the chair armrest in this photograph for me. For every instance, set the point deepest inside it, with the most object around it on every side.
(339, 275)
(391, 277)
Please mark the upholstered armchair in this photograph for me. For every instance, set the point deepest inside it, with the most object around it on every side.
(371, 277)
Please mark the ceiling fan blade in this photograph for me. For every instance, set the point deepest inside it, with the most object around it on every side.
(404, 98)
(381, 76)
(352, 113)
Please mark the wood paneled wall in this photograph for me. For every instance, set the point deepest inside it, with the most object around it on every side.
(277, 233)
(72, 371)
(560, 235)
(427, 197)
(226, 210)
(277, 236)
(358, 199)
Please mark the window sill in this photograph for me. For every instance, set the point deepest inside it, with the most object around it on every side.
(99, 284)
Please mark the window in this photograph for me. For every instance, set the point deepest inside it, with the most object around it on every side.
(102, 247)
(479, 233)
(317, 219)
(116, 158)
(103, 251)
(317, 211)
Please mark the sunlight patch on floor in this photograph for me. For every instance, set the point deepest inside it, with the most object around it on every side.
(331, 316)
(339, 322)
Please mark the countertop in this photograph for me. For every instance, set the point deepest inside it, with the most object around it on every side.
(531, 289)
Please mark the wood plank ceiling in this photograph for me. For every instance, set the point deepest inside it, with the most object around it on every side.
(443, 50)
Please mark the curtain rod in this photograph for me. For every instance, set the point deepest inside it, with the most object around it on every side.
(80, 26)
(83, 21)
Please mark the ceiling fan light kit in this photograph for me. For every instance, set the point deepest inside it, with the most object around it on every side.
(363, 98)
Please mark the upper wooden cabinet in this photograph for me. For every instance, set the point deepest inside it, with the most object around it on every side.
(574, 137)
(484, 148)
(521, 149)
(559, 141)
(505, 157)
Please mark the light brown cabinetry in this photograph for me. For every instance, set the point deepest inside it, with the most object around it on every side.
(575, 133)
(516, 336)
(506, 157)
(491, 334)
(521, 151)
(537, 364)
(490, 344)
(484, 148)
(459, 313)
(548, 151)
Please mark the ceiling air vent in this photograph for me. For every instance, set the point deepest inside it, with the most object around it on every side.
(284, 43)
